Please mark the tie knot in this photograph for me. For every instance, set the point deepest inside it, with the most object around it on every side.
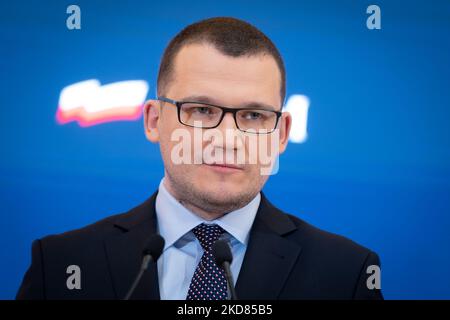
(207, 234)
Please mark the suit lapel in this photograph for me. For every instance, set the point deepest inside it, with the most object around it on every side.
(124, 252)
(270, 257)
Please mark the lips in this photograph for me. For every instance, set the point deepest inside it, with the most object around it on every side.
(225, 165)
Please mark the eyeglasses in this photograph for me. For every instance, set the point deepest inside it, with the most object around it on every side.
(208, 116)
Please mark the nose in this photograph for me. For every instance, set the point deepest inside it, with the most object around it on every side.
(228, 122)
(231, 140)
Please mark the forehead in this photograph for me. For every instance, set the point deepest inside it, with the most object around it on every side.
(200, 69)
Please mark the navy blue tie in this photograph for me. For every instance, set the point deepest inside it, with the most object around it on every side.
(208, 282)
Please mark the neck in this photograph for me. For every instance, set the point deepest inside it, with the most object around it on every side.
(199, 211)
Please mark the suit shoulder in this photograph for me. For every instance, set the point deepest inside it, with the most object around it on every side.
(99, 228)
(325, 241)
(108, 226)
(336, 265)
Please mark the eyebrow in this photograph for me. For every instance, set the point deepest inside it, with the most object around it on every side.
(244, 105)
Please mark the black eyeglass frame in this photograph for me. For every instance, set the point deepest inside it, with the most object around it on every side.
(225, 110)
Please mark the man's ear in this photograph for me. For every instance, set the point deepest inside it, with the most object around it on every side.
(285, 129)
(151, 119)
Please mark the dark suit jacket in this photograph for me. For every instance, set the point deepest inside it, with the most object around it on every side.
(286, 258)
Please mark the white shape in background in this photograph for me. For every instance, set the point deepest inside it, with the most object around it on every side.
(298, 105)
(95, 98)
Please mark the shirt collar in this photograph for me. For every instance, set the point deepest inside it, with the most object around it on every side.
(174, 220)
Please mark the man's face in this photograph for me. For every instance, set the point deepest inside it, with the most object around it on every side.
(202, 73)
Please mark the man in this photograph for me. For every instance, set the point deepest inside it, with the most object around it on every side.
(216, 76)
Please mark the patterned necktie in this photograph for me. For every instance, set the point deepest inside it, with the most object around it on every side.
(208, 282)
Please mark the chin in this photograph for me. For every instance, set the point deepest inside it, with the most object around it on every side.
(222, 187)
(224, 195)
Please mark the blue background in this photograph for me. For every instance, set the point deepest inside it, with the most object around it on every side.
(375, 167)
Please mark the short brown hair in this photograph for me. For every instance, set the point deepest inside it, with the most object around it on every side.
(231, 36)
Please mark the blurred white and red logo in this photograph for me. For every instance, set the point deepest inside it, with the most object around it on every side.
(90, 103)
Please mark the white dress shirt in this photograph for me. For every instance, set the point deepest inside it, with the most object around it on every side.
(182, 251)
